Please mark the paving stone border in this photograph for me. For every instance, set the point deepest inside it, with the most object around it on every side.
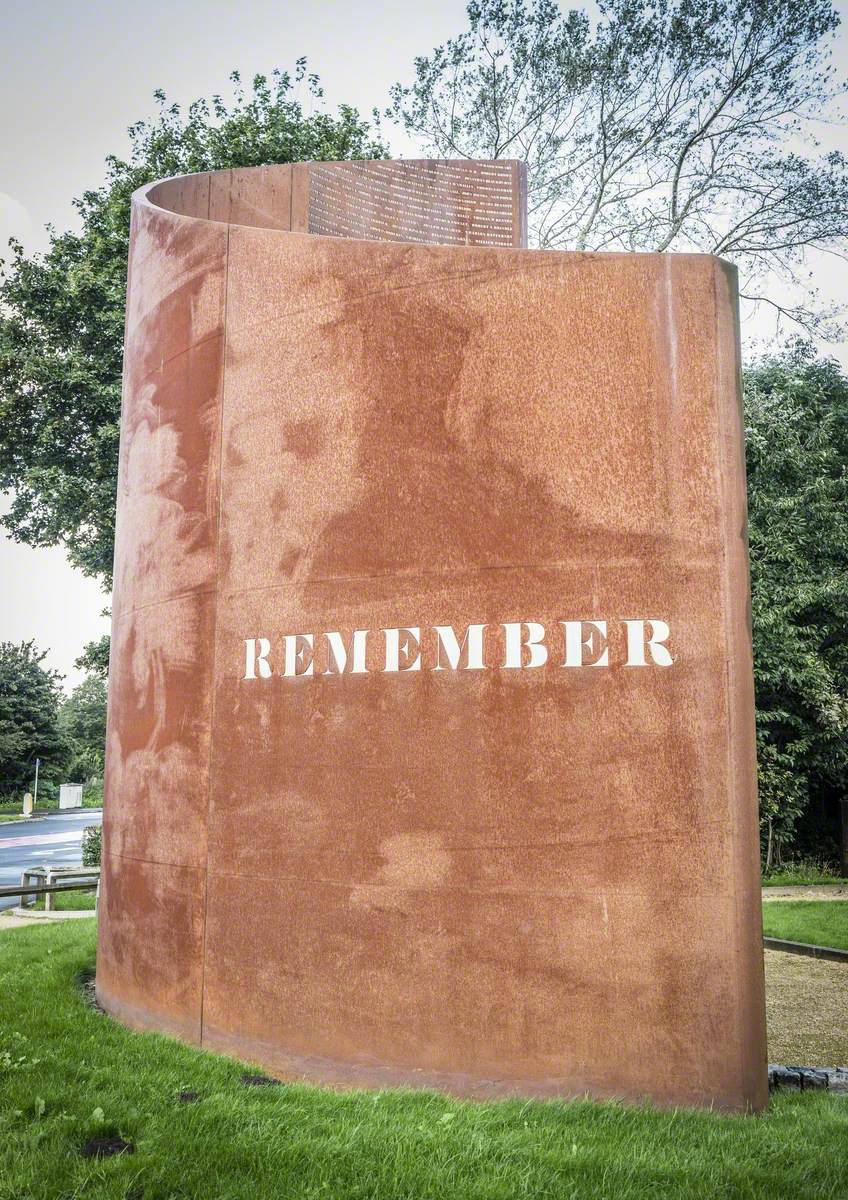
(829, 952)
(803, 1079)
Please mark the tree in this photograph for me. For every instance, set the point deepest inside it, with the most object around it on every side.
(29, 718)
(797, 459)
(666, 125)
(95, 657)
(62, 313)
(82, 719)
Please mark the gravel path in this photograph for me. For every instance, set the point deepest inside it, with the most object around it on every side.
(822, 891)
(807, 1010)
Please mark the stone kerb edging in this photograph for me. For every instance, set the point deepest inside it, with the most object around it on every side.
(832, 1079)
(829, 952)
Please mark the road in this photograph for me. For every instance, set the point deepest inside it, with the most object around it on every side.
(53, 840)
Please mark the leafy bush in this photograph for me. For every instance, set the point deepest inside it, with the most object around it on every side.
(92, 796)
(82, 719)
(48, 793)
(802, 872)
(796, 410)
(47, 800)
(92, 838)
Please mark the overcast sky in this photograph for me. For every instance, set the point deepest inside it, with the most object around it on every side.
(74, 75)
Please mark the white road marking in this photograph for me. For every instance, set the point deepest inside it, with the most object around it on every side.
(38, 840)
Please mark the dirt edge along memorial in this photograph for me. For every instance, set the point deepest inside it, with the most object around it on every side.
(431, 742)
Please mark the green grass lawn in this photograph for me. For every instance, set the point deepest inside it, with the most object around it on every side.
(820, 922)
(15, 812)
(69, 901)
(41, 810)
(68, 1074)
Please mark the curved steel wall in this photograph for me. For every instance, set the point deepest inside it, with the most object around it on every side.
(497, 881)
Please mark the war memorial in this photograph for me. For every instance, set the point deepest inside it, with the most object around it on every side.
(430, 757)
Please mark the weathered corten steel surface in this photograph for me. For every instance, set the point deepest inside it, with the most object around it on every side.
(493, 874)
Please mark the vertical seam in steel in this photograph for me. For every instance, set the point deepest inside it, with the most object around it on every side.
(213, 683)
(744, 1080)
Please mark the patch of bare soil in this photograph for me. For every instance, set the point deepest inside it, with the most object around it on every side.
(86, 983)
(106, 1147)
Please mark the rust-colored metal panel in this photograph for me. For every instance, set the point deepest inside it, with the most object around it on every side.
(528, 863)
(150, 945)
(150, 952)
